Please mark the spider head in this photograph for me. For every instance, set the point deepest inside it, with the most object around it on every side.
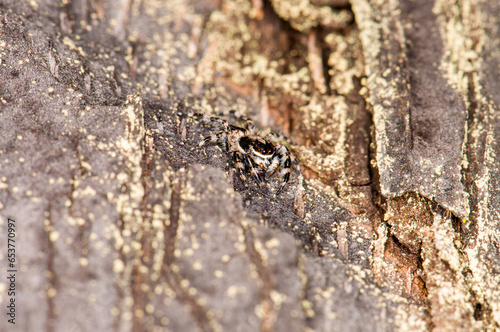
(257, 146)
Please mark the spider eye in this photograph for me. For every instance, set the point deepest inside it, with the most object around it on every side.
(262, 147)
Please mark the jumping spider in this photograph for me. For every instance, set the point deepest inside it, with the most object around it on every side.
(251, 153)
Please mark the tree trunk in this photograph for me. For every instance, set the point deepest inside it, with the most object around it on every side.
(118, 220)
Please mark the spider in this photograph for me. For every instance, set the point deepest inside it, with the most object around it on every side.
(251, 153)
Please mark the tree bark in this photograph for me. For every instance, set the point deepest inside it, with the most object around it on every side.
(122, 222)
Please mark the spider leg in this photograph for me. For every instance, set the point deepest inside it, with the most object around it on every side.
(248, 122)
(223, 124)
(277, 138)
(285, 173)
(283, 159)
(277, 159)
(255, 171)
(240, 166)
(220, 137)
(295, 162)
(286, 177)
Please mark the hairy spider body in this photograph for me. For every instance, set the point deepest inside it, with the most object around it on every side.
(252, 153)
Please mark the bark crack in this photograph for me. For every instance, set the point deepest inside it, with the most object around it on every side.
(198, 312)
(267, 309)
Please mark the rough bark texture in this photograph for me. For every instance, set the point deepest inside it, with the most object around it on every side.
(123, 223)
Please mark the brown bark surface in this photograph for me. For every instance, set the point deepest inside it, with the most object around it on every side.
(123, 223)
